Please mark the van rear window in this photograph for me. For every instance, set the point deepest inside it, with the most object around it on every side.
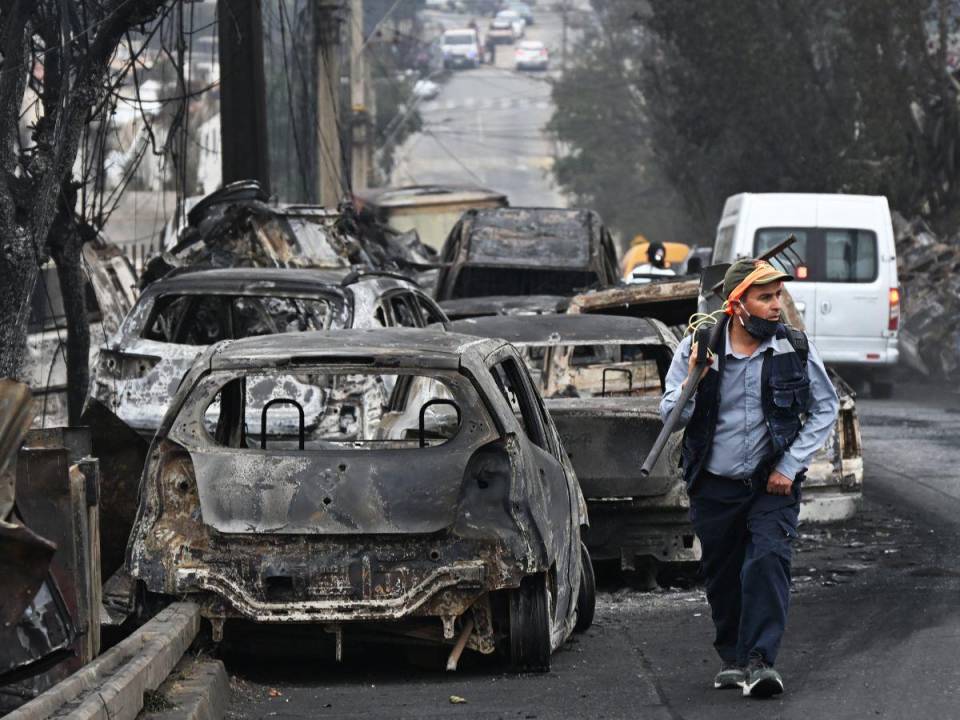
(831, 254)
(851, 256)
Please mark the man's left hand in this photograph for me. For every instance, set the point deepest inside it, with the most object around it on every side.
(779, 484)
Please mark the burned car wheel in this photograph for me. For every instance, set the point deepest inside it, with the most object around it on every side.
(530, 625)
(587, 597)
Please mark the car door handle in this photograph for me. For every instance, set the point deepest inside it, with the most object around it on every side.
(825, 307)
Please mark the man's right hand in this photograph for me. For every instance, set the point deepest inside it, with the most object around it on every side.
(692, 361)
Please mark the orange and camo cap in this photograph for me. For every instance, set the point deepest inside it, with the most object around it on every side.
(746, 272)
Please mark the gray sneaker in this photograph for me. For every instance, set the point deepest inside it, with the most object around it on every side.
(761, 681)
(731, 675)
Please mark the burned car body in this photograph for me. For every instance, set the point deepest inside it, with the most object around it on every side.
(472, 307)
(240, 226)
(526, 251)
(175, 318)
(602, 378)
(833, 489)
(110, 292)
(452, 516)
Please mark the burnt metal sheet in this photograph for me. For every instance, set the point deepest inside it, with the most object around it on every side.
(113, 280)
(461, 308)
(549, 330)
(24, 559)
(40, 639)
(14, 418)
(671, 301)
(121, 452)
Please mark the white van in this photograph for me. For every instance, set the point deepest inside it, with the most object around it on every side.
(846, 289)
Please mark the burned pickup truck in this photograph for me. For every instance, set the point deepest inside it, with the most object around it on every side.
(456, 518)
(526, 251)
(602, 378)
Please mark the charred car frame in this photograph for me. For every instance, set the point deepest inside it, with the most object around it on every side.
(602, 378)
(456, 518)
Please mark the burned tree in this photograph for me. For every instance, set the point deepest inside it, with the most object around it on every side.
(55, 75)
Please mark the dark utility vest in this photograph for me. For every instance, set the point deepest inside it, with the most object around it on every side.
(785, 398)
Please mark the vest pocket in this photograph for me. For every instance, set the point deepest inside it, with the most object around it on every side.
(792, 398)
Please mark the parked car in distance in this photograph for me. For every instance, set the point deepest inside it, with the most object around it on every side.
(502, 31)
(602, 377)
(847, 289)
(457, 514)
(176, 318)
(531, 55)
(526, 251)
(461, 48)
(522, 9)
(516, 21)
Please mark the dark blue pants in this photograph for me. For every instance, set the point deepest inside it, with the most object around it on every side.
(746, 535)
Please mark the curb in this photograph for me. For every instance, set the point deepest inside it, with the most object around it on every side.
(197, 689)
(111, 687)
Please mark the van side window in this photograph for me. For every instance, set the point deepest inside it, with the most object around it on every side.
(851, 256)
(723, 247)
(769, 238)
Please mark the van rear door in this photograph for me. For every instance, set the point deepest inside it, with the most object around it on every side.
(852, 305)
(852, 284)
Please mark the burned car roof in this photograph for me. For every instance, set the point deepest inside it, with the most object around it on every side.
(565, 329)
(231, 280)
(423, 347)
(521, 236)
(505, 305)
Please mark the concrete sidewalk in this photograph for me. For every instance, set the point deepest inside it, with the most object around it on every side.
(112, 686)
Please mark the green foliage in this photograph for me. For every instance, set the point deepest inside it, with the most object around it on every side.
(671, 109)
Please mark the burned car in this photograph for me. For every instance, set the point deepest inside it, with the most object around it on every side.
(455, 518)
(177, 317)
(472, 307)
(526, 251)
(602, 378)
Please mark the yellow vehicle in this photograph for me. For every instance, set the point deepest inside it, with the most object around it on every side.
(637, 254)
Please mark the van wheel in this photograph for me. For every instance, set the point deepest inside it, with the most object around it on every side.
(587, 597)
(530, 625)
(881, 390)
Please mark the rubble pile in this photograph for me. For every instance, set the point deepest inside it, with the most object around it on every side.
(929, 272)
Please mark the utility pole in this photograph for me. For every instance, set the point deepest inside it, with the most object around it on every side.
(243, 99)
(361, 150)
(329, 153)
(564, 7)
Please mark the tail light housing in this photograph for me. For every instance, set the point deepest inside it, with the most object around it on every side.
(894, 319)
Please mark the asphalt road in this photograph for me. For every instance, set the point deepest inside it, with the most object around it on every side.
(486, 126)
(874, 628)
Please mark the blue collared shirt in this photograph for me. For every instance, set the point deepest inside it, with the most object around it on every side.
(741, 440)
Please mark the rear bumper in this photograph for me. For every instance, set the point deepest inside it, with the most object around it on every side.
(622, 531)
(829, 506)
(464, 581)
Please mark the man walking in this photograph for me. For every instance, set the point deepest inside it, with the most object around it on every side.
(764, 407)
